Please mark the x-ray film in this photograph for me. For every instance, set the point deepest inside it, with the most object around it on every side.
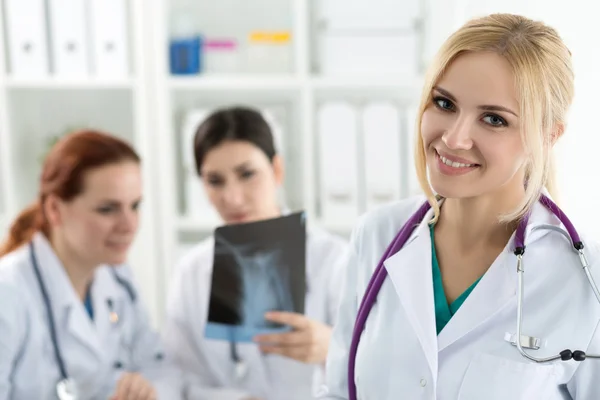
(257, 267)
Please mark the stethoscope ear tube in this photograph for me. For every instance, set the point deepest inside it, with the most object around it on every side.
(49, 314)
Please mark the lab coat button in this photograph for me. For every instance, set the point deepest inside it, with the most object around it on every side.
(423, 382)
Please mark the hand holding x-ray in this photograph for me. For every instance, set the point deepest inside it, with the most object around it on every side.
(308, 342)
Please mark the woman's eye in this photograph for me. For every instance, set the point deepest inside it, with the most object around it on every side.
(494, 120)
(215, 182)
(444, 104)
(247, 174)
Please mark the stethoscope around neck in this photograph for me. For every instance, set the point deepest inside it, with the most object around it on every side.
(66, 388)
(401, 239)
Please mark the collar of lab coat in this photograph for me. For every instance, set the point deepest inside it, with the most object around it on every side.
(539, 215)
(56, 280)
(409, 271)
(66, 306)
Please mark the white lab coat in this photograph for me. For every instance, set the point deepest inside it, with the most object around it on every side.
(399, 353)
(208, 364)
(95, 353)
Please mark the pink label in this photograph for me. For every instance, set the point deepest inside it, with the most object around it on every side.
(219, 44)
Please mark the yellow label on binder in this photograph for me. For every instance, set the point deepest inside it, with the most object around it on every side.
(273, 37)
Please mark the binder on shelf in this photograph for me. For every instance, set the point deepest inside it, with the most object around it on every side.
(27, 41)
(68, 38)
(338, 161)
(275, 117)
(191, 121)
(382, 151)
(108, 34)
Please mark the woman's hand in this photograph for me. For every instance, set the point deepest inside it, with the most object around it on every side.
(133, 386)
(308, 342)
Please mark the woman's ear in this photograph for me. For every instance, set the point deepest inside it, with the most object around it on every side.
(52, 210)
(278, 169)
(557, 132)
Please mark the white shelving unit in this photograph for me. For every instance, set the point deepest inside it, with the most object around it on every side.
(148, 107)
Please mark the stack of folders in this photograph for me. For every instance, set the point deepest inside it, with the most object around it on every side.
(67, 38)
(361, 157)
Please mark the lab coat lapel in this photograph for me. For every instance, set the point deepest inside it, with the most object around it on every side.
(494, 291)
(104, 291)
(410, 272)
(81, 327)
(67, 308)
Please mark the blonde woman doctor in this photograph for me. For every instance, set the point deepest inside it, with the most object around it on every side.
(236, 159)
(440, 321)
(72, 325)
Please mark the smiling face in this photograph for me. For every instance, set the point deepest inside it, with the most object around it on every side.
(99, 225)
(241, 181)
(471, 129)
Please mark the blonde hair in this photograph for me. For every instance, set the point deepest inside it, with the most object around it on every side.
(541, 64)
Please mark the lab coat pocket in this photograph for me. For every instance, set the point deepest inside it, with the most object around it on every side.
(492, 377)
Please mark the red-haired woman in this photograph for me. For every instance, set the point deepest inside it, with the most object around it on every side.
(71, 323)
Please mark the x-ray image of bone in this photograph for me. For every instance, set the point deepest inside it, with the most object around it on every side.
(248, 282)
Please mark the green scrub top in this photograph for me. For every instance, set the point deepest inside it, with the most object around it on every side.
(443, 310)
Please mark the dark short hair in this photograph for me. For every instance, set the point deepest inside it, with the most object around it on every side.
(233, 123)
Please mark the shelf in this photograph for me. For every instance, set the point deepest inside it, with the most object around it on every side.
(412, 84)
(286, 82)
(195, 224)
(70, 83)
(235, 82)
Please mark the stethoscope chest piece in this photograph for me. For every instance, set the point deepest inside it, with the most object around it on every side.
(65, 389)
(241, 370)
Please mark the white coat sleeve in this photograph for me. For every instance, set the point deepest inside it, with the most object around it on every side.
(13, 337)
(154, 363)
(150, 358)
(584, 384)
(334, 261)
(338, 260)
(185, 343)
(336, 381)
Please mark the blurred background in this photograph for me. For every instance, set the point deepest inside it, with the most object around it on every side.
(339, 81)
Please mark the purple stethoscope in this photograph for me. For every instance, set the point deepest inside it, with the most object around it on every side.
(400, 240)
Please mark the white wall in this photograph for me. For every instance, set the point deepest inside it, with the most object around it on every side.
(577, 152)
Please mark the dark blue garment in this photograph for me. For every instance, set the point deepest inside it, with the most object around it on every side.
(89, 307)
